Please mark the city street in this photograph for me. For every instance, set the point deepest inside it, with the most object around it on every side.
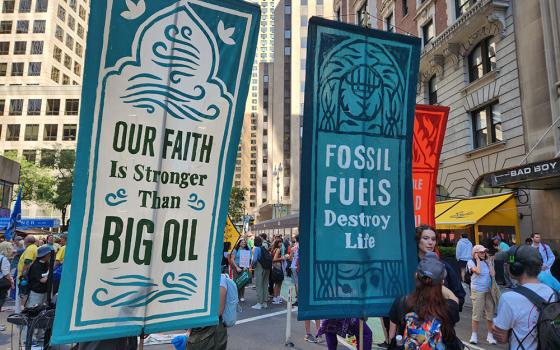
(266, 329)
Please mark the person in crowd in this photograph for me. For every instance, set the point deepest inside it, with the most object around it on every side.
(501, 246)
(294, 265)
(545, 251)
(226, 257)
(240, 247)
(426, 240)
(482, 269)
(517, 316)
(431, 304)
(40, 242)
(50, 242)
(18, 242)
(463, 253)
(211, 337)
(59, 259)
(277, 272)
(261, 275)
(28, 257)
(251, 241)
(6, 252)
(38, 277)
(344, 327)
(529, 241)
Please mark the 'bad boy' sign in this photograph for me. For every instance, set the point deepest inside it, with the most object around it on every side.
(162, 108)
(356, 201)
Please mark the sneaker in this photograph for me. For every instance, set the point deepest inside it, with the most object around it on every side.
(474, 339)
(277, 301)
(490, 339)
(295, 303)
(242, 299)
(310, 338)
(2, 327)
(383, 345)
(264, 305)
(257, 307)
(319, 339)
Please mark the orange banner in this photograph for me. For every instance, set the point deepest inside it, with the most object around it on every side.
(429, 130)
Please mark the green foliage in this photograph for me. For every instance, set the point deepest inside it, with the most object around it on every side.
(446, 251)
(236, 207)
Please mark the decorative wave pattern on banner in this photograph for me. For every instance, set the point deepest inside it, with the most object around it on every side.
(352, 93)
(144, 291)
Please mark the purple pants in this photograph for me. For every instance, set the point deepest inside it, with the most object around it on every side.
(353, 329)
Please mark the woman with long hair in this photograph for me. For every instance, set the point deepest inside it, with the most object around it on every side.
(429, 314)
(426, 241)
(236, 262)
(277, 273)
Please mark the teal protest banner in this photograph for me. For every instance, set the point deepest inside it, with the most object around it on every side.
(356, 222)
(162, 107)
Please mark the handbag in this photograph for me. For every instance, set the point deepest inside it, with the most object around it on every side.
(277, 274)
(5, 283)
(242, 280)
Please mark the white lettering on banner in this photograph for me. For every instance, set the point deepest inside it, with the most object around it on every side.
(362, 220)
(362, 241)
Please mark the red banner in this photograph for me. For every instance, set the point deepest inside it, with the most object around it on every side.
(429, 130)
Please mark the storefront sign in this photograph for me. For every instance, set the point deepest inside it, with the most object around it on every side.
(528, 172)
(162, 108)
(30, 223)
(356, 175)
(429, 130)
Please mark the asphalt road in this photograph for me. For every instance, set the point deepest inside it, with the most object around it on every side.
(266, 329)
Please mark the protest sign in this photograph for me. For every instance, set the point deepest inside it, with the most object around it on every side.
(231, 234)
(244, 258)
(429, 130)
(162, 107)
(356, 201)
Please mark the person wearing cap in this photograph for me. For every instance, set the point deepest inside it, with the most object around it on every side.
(515, 311)
(61, 251)
(545, 251)
(430, 301)
(38, 277)
(482, 269)
(28, 257)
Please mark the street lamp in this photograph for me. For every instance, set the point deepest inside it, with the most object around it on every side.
(276, 172)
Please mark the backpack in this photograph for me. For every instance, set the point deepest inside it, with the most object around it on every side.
(229, 317)
(422, 334)
(468, 273)
(265, 259)
(548, 324)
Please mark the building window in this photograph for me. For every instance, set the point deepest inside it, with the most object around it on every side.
(34, 69)
(79, 50)
(404, 7)
(48, 158)
(69, 42)
(34, 106)
(65, 79)
(462, 6)
(57, 53)
(31, 132)
(20, 47)
(338, 15)
(5, 27)
(37, 47)
(441, 193)
(432, 91)
(72, 107)
(30, 155)
(73, 4)
(16, 107)
(428, 32)
(82, 13)
(24, 6)
(39, 26)
(55, 74)
(389, 23)
(17, 69)
(22, 27)
(71, 23)
(80, 31)
(77, 69)
(69, 132)
(3, 69)
(67, 61)
(53, 107)
(482, 59)
(59, 33)
(61, 13)
(8, 6)
(41, 5)
(12, 133)
(50, 132)
(487, 125)
(2, 106)
(4, 47)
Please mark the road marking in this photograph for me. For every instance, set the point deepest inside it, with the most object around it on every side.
(256, 318)
(470, 346)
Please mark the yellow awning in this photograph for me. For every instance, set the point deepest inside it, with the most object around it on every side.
(442, 207)
(467, 211)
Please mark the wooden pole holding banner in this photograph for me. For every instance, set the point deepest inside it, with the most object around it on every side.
(289, 342)
(141, 345)
(361, 335)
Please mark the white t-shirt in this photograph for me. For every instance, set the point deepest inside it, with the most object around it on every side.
(518, 313)
(5, 268)
(480, 282)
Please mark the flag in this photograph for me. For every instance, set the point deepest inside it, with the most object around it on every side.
(14, 218)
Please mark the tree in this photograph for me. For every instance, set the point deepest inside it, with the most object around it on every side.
(236, 207)
(64, 181)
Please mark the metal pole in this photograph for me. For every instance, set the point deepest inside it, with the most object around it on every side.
(361, 338)
(289, 342)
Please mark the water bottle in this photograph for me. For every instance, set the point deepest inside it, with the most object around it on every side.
(399, 340)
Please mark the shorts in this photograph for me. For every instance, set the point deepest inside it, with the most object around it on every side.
(462, 264)
(482, 304)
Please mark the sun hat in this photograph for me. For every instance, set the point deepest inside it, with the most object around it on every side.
(430, 266)
(43, 251)
(478, 248)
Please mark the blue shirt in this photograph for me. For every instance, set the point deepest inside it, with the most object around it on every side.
(463, 251)
(547, 278)
(238, 256)
(256, 255)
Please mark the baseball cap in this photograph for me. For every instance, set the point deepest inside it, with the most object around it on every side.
(431, 267)
(43, 251)
(478, 248)
(524, 254)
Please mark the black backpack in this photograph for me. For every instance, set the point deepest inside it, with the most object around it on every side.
(548, 324)
(265, 259)
(468, 273)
